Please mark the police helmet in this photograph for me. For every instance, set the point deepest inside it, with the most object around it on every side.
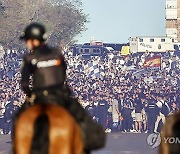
(34, 31)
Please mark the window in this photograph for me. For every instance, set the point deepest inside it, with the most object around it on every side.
(151, 40)
(163, 40)
(172, 40)
(96, 51)
(86, 50)
(140, 40)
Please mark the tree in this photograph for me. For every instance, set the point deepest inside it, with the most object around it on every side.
(2, 9)
(64, 19)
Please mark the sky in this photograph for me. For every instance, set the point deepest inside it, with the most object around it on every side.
(114, 21)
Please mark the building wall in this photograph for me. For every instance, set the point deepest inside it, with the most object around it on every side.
(173, 19)
(151, 44)
(178, 21)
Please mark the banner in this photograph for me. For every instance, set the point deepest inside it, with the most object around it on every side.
(153, 62)
(125, 50)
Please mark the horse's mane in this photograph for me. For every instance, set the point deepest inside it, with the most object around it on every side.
(41, 136)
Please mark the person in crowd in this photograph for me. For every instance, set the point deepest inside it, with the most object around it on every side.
(152, 112)
(144, 114)
(138, 113)
(91, 109)
(163, 111)
(127, 118)
(102, 112)
(2, 110)
(115, 114)
(120, 107)
(8, 118)
(109, 126)
(173, 108)
(121, 102)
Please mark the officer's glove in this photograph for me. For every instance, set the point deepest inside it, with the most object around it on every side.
(31, 99)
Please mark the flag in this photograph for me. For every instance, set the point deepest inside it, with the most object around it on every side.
(91, 69)
(152, 62)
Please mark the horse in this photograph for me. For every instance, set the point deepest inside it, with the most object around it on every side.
(47, 129)
(171, 130)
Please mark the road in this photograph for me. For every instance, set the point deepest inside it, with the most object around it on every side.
(117, 143)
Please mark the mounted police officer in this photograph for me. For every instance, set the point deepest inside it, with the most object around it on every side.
(46, 64)
(47, 67)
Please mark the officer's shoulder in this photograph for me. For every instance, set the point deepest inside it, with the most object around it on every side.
(56, 50)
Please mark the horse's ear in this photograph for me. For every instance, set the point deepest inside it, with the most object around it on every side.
(24, 130)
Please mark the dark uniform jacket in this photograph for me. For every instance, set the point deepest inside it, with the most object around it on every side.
(152, 108)
(46, 65)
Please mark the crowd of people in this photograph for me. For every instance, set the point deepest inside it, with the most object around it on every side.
(11, 95)
(125, 96)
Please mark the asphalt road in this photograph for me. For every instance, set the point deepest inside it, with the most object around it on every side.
(117, 143)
